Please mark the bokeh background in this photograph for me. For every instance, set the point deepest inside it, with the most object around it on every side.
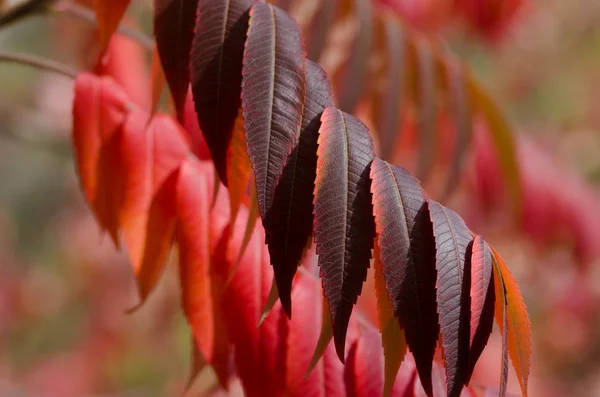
(64, 289)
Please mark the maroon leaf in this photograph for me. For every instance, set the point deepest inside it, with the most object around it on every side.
(408, 259)
(453, 251)
(289, 221)
(482, 301)
(174, 22)
(273, 93)
(344, 226)
(216, 59)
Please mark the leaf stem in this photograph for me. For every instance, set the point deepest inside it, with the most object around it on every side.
(39, 63)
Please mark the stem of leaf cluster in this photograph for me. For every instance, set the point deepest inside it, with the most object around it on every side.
(39, 63)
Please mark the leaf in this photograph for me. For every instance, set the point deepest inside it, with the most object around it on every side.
(250, 224)
(316, 34)
(158, 81)
(109, 15)
(453, 251)
(195, 135)
(388, 95)
(152, 154)
(482, 301)
(193, 235)
(238, 167)
(500, 313)
(271, 301)
(216, 71)
(99, 111)
(352, 80)
(289, 221)
(392, 336)
(198, 365)
(273, 94)
(517, 324)
(344, 227)
(325, 375)
(174, 22)
(426, 103)
(407, 249)
(461, 110)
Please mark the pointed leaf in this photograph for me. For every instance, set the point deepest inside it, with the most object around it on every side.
(109, 15)
(216, 63)
(407, 247)
(238, 167)
(198, 364)
(316, 34)
(500, 313)
(392, 336)
(352, 81)
(453, 250)
(174, 22)
(517, 324)
(271, 301)
(426, 105)
(250, 225)
(344, 226)
(290, 219)
(388, 95)
(482, 300)
(193, 234)
(326, 380)
(158, 80)
(273, 94)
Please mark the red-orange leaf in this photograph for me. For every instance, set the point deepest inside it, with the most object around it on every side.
(482, 300)
(518, 325)
(273, 94)
(452, 240)
(99, 111)
(216, 59)
(407, 248)
(500, 314)
(344, 227)
(109, 15)
(174, 22)
(238, 168)
(290, 219)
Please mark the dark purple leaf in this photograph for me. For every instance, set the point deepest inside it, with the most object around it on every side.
(344, 226)
(216, 59)
(273, 94)
(453, 250)
(290, 218)
(407, 251)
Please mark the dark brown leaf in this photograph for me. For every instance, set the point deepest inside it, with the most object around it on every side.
(174, 22)
(273, 93)
(407, 251)
(289, 221)
(453, 250)
(216, 59)
(344, 226)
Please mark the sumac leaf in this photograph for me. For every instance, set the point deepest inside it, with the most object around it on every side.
(482, 300)
(174, 22)
(238, 168)
(427, 106)
(500, 314)
(344, 227)
(290, 219)
(517, 324)
(407, 250)
(273, 93)
(316, 34)
(453, 250)
(216, 70)
(109, 15)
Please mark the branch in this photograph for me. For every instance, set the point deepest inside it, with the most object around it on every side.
(39, 63)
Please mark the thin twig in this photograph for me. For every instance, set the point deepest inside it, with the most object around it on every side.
(39, 63)
(86, 14)
(24, 10)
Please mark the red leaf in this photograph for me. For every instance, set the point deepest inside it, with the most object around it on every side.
(174, 22)
(273, 95)
(289, 221)
(326, 380)
(452, 239)
(408, 258)
(238, 168)
(152, 155)
(195, 135)
(220, 35)
(109, 15)
(482, 300)
(344, 227)
(99, 110)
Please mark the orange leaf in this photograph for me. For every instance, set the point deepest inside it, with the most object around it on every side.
(99, 110)
(518, 325)
(109, 14)
(238, 167)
